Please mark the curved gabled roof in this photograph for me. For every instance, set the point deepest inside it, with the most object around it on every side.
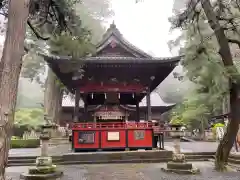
(113, 35)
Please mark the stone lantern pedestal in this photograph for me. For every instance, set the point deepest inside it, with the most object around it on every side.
(178, 163)
(44, 169)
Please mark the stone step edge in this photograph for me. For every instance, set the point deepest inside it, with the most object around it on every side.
(234, 161)
(108, 162)
(59, 156)
(191, 158)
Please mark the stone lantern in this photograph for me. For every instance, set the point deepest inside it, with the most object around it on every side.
(44, 168)
(175, 131)
(178, 163)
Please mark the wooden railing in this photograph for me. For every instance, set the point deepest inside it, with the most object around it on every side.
(112, 125)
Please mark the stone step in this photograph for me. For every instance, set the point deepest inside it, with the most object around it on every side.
(192, 157)
(199, 153)
(30, 157)
(234, 161)
(156, 160)
(20, 164)
(21, 157)
(234, 156)
(110, 157)
(21, 161)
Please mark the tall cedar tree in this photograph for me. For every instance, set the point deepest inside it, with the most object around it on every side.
(11, 66)
(221, 19)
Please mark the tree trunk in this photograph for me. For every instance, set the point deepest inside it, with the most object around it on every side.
(229, 137)
(227, 142)
(52, 97)
(11, 67)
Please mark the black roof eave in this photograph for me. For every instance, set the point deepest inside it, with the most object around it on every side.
(55, 61)
(110, 60)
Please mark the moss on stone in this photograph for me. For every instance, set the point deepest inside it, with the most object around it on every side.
(43, 170)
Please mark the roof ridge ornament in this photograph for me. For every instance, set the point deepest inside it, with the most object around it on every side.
(113, 25)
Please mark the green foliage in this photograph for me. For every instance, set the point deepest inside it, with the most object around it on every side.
(33, 67)
(75, 46)
(31, 118)
(86, 18)
(22, 143)
(204, 68)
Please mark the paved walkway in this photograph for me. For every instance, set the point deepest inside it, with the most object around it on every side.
(194, 146)
(63, 149)
(53, 150)
(130, 171)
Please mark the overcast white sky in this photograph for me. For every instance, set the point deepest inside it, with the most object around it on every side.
(145, 24)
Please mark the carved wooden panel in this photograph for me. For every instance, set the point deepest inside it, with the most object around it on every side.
(86, 137)
(139, 134)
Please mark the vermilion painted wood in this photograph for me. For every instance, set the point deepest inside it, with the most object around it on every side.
(126, 135)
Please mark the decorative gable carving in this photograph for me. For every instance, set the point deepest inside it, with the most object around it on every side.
(114, 44)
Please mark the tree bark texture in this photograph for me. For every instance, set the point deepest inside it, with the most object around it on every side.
(229, 137)
(52, 97)
(11, 66)
(227, 142)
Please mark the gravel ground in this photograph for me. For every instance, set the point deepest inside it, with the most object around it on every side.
(131, 171)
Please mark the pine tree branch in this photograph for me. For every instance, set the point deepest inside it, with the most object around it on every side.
(26, 49)
(234, 41)
(35, 32)
(188, 14)
(219, 33)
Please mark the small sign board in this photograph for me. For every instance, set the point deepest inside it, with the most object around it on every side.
(86, 137)
(113, 136)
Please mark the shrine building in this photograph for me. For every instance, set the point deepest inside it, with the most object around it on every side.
(112, 86)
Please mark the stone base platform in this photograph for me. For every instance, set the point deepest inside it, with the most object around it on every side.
(117, 157)
(52, 176)
(180, 168)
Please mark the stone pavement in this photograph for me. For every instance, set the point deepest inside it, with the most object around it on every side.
(196, 146)
(130, 171)
(53, 150)
(66, 148)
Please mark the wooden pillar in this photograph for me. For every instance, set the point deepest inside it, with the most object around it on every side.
(85, 113)
(76, 107)
(149, 111)
(137, 112)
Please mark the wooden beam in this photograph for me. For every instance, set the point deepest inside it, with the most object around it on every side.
(76, 107)
(149, 111)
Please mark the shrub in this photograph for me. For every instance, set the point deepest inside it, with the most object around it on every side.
(25, 143)
(15, 137)
(18, 130)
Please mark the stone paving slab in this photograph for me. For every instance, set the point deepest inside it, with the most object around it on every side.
(131, 172)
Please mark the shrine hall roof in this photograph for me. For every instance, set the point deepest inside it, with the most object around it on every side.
(114, 35)
(156, 101)
(115, 57)
(110, 59)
